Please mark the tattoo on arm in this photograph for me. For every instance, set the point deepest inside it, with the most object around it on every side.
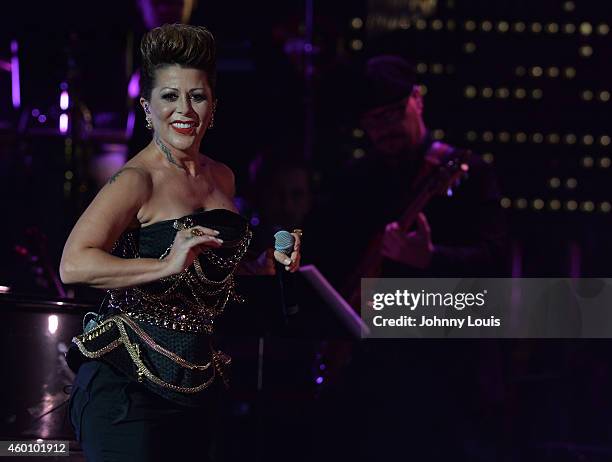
(114, 177)
(166, 150)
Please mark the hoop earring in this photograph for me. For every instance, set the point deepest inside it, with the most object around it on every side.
(149, 125)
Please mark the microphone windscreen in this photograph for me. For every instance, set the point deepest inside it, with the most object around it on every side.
(283, 242)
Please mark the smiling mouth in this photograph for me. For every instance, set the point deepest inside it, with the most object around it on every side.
(184, 128)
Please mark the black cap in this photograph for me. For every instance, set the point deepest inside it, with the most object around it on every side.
(388, 79)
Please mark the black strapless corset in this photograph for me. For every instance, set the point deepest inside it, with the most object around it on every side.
(155, 239)
(160, 333)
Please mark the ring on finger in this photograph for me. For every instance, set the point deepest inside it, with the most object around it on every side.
(196, 232)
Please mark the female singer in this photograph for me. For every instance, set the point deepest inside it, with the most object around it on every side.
(165, 239)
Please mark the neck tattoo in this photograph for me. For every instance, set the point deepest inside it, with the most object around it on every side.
(166, 150)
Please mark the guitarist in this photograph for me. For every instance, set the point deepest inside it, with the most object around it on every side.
(452, 236)
(458, 235)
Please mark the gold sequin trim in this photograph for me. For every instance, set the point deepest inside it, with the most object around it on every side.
(219, 359)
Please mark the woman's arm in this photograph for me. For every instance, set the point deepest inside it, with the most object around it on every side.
(86, 258)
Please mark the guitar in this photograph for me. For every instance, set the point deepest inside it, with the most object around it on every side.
(443, 169)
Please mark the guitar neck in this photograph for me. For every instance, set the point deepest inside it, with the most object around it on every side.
(416, 205)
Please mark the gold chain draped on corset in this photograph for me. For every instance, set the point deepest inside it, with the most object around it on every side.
(186, 303)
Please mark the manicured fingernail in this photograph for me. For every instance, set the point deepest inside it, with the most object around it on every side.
(287, 268)
(220, 240)
(216, 232)
(287, 262)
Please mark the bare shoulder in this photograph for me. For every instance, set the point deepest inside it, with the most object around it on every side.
(223, 175)
(132, 173)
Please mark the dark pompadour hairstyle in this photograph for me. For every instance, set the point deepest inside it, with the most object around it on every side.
(182, 44)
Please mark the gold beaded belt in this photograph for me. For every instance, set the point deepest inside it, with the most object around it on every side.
(98, 338)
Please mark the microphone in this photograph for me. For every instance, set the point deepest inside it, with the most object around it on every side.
(284, 242)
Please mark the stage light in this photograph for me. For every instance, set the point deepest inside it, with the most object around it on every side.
(15, 78)
(503, 26)
(603, 29)
(587, 206)
(356, 44)
(470, 91)
(505, 202)
(537, 93)
(586, 28)
(520, 93)
(604, 96)
(604, 140)
(64, 100)
(554, 204)
(503, 137)
(585, 51)
(552, 28)
(42, 118)
(486, 26)
(587, 95)
(537, 138)
(421, 68)
(536, 71)
(423, 89)
(519, 26)
(570, 72)
(569, 6)
(487, 92)
(536, 27)
(470, 26)
(554, 182)
(571, 205)
(134, 85)
(469, 47)
(520, 137)
(358, 133)
(571, 183)
(358, 153)
(569, 28)
(488, 157)
(553, 138)
(520, 203)
(437, 68)
(68, 175)
(604, 162)
(436, 24)
(356, 23)
(587, 162)
(538, 204)
(487, 136)
(502, 92)
(53, 324)
(404, 23)
(438, 134)
(605, 207)
(63, 123)
(570, 138)
(450, 24)
(588, 140)
(553, 72)
(520, 71)
(471, 135)
(421, 24)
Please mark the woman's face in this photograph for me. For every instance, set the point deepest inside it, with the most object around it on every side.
(181, 106)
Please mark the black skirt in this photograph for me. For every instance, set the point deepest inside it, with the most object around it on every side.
(117, 419)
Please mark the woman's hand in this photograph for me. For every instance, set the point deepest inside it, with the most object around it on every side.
(292, 263)
(187, 245)
(264, 264)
